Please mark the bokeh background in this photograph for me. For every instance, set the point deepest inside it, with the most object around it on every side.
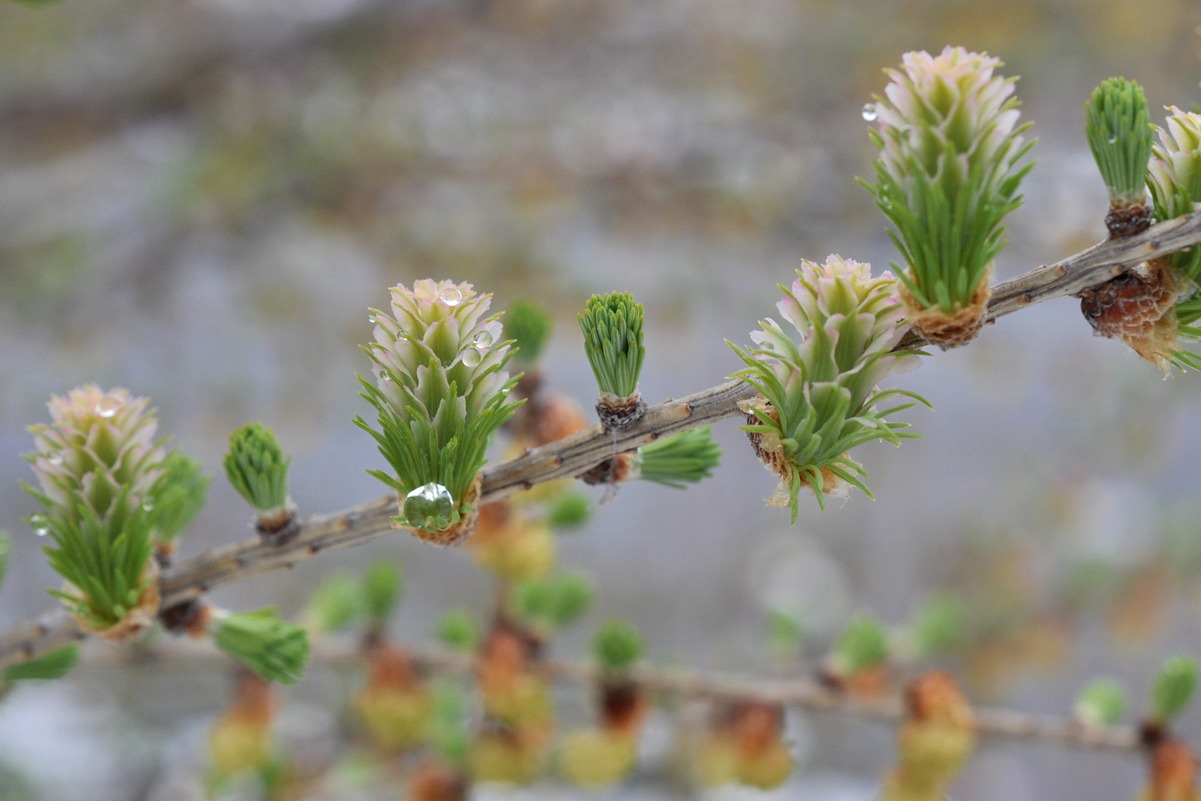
(199, 200)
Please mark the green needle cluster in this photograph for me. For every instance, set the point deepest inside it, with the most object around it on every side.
(863, 644)
(51, 665)
(1174, 688)
(529, 326)
(817, 389)
(179, 495)
(947, 173)
(441, 393)
(258, 469)
(612, 326)
(1174, 178)
(272, 648)
(550, 604)
(1119, 132)
(680, 459)
(458, 631)
(99, 471)
(1100, 703)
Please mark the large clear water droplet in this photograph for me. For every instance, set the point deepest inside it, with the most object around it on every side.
(55, 459)
(371, 319)
(107, 407)
(870, 113)
(483, 339)
(429, 507)
(148, 505)
(41, 526)
(385, 377)
(451, 296)
(472, 357)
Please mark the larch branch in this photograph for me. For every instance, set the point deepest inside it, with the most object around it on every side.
(575, 454)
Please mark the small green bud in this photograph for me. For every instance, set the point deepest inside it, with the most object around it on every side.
(336, 603)
(383, 585)
(680, 459)
(862, 645)
(275, 650)
(1119, 132)
(1174, 688)
(570, 510)
(257, 468)
(612, 327)
(51, 665)
(617, 646)
(572, 597)
(459, 631)
(450, 723)
(532, 600)
(937, 627)
(785, 633)
(1101, 703)
(529, 326)
(553, 603)
(177, 497)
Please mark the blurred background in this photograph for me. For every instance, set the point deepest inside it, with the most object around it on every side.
(199, 200)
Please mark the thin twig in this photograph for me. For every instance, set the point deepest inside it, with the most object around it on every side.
(579, 452)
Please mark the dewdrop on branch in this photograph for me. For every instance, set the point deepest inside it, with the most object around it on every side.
(441, 392)
(817, 385)
(97, 465)
(258, 469)
(947, 174)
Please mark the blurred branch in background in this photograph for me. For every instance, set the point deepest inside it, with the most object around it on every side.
(808, 694)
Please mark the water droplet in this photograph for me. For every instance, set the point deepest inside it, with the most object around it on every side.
(451, 296)
(1113, 140)
(385, 377)
(107, 407)
(55, 459)
(41, 526)
(371, 319)
(483, 339)
(869, 112)
(471, 357)
(148, 505)
(429, 507)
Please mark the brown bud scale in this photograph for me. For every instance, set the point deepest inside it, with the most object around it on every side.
(949, 329)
